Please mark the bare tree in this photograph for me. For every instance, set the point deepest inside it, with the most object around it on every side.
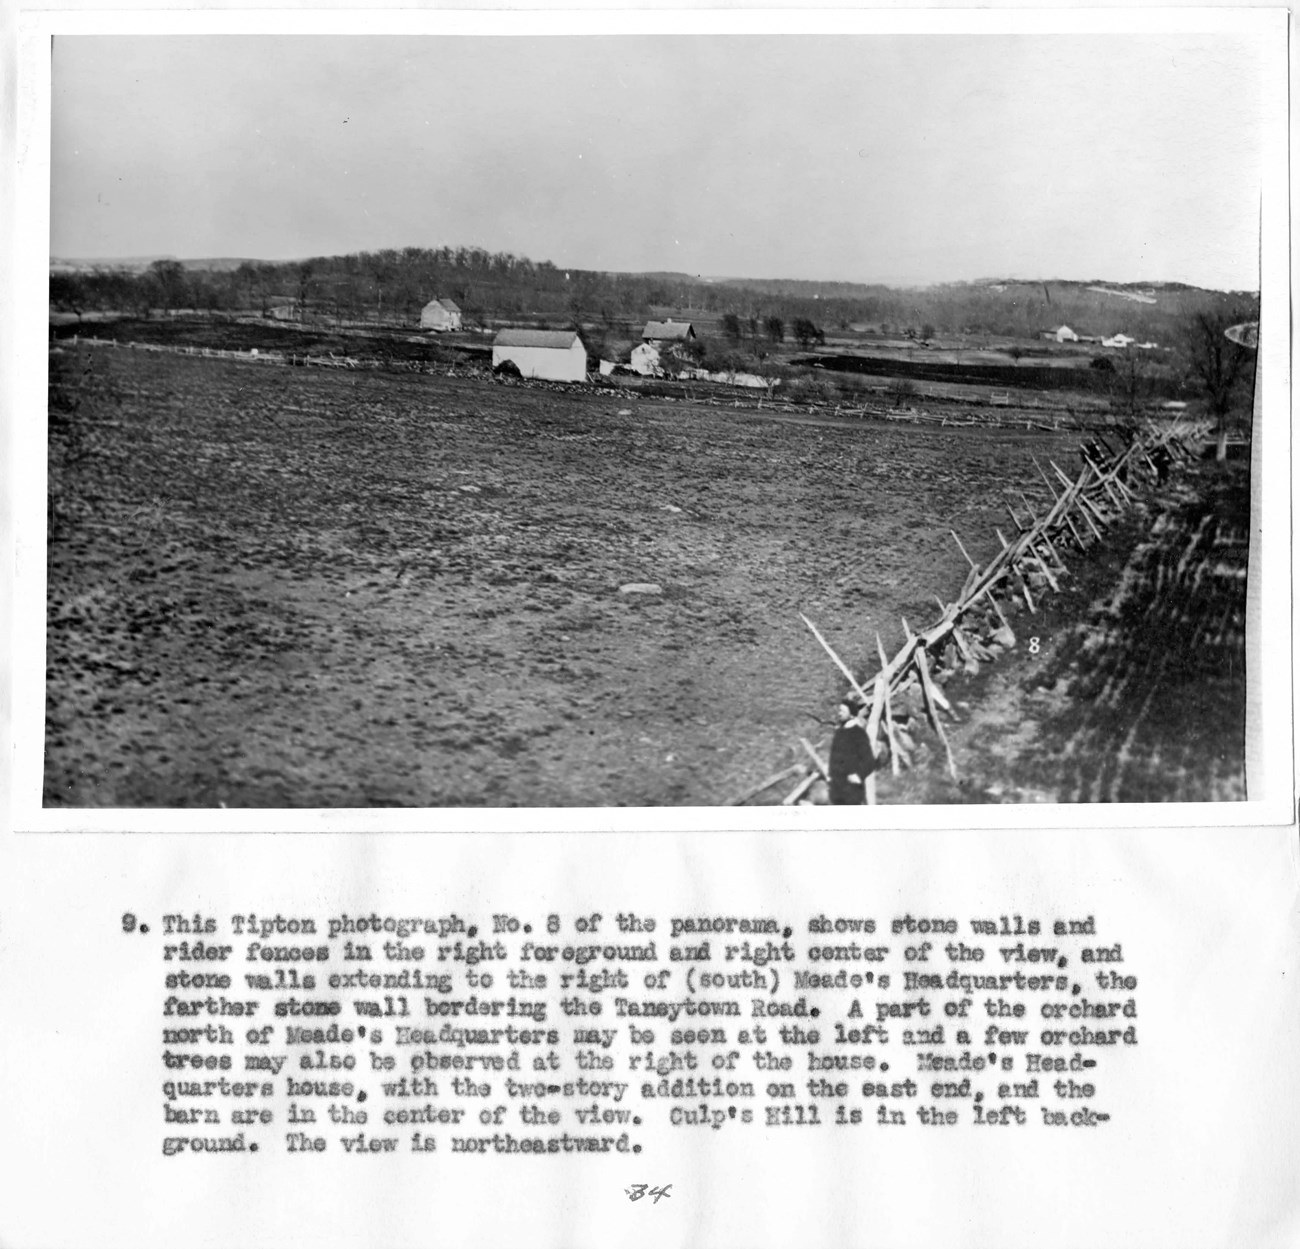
(68, 290)
(306, 274)
(1127, 385)
(169, 279)
(1218, 365)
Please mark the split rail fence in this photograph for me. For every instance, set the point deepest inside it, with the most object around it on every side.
(974, 628)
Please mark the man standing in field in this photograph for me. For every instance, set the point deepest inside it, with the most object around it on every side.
(852, 759)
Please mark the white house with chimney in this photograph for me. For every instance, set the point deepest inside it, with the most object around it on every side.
(660, 339)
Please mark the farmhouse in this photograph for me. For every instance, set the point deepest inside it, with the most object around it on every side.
(660, 339)
(556, 355)
(645, 360)
(440, 315)
(1062, 334)
(1118, 340)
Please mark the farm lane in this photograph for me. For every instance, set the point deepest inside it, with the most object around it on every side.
(275, 587)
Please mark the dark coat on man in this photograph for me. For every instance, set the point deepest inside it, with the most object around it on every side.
(851, 756)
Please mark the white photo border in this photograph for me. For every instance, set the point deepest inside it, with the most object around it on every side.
(24, 372)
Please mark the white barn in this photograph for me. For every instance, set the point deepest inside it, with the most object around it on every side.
(555, 355)
(440, 315)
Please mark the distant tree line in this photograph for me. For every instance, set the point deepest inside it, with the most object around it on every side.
(392, 285)
(744, 322)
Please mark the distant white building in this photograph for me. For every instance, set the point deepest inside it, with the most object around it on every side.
(1064, 334)
(555, 355)
(1118, 340)
(440, 315)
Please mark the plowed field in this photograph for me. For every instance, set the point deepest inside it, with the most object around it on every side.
(291, 587)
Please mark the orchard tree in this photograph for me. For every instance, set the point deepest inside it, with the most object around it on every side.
(806, 333)
(774, 328)
(168, 279)
(68, 290)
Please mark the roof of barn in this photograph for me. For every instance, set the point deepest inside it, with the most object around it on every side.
(668, 330)
(559, 339)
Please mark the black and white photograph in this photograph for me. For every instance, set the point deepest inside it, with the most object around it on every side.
(651, 420)
(647, 627)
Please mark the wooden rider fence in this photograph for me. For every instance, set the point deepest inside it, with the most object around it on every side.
(974, 627)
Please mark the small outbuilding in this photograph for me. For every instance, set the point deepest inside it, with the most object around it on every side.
(1064, 334)
(554, 355)
(281, 308)
(1118, 340)
(440, 315)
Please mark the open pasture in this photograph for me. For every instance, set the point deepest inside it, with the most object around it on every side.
(294, 587)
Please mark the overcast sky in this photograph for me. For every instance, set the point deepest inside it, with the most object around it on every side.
(904, 158)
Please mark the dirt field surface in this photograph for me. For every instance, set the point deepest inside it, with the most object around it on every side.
(287, 587)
